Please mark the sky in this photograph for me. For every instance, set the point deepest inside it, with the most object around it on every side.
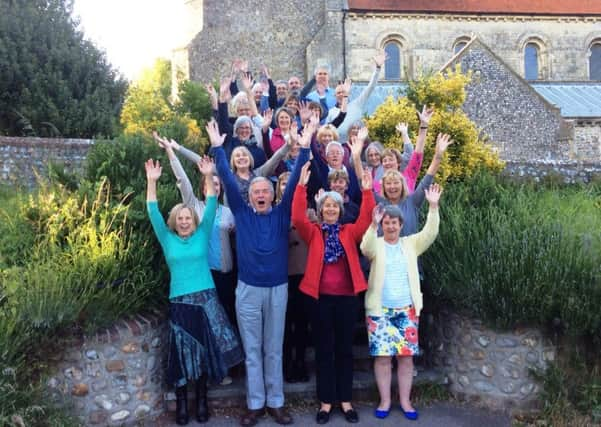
(133, 33)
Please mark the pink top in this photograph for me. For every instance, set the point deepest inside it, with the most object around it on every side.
(411, 173)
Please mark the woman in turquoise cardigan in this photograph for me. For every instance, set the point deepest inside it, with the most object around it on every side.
(202, 343)
(393, 301)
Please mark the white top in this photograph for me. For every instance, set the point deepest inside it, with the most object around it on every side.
(396, 292)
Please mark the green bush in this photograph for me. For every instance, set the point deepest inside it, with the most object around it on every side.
(518, 254)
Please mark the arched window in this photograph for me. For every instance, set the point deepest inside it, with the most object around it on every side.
(392, 66)
(595, 61)
(531, 57)
(458, 46)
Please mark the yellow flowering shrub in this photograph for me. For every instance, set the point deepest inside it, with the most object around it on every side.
(446, 93)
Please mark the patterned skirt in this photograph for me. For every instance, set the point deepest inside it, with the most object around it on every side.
(201, 339)
(394, 333)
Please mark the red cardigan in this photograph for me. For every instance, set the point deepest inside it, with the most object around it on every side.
(350, 236)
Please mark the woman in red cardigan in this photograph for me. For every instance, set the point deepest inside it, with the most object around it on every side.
(333, 278)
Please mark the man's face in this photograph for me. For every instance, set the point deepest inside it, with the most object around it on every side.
(322, 77)
(335, 157)
(261, 196)
(281, 90)
(294, 83)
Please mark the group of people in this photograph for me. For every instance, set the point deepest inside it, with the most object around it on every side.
(313, 206)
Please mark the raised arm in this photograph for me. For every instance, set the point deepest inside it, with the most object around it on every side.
(442, 143)
(247, 86)
(206, 167)
(368, 243)
(378, 60)
(427, 235)
(229, 182)
(303, 158)
(183, 183)
(299, 205)
(367, 206)
(153, 173)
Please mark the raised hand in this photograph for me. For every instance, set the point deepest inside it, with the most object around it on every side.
(213, 133)
(347, 86)
(433, 195)
(305, 140)
(377, 214)
(163, 142)
(312, 216)
(267, 118)
(442, 143)
(212, 94)
(294, 136)
(366, 179)
(425, 115)
(206, 166)
(380, 58)
(402, 128)
(224, 89)
(319, 194)
(153, 170)
(265, 71)
(304, 111)
(246, 82)
(356, 144)
(362, 135)
(305, 174)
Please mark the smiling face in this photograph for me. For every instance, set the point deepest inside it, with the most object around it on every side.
(184, 223)
(339, 185)
(261, 196)
(244, 131)
(281, 90)
(340, 93)
(294, 83)
(322, 77)
(373, 158)
(283, 120)
(243, 109)
(390, 162)
(392, 187)
(257, 92)
(330, 211)
(240, 159)
(292, 105)
(391, 228)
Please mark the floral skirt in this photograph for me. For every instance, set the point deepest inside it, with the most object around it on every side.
(394, 333)
(201, 339)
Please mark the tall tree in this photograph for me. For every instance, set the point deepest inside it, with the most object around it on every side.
(52, 80)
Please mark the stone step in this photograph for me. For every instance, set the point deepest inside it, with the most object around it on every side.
(364, 388)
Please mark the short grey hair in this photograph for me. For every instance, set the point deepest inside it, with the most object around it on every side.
(281, 82)
(260, 179)
(332, 144)
(242, 120)
(393, 211)
(322, 67)
(334, 196)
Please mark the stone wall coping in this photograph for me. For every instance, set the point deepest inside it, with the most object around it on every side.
(565, 163)
(135, 325)
(18, 141)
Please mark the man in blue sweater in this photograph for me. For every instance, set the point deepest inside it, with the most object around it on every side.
(262, 291)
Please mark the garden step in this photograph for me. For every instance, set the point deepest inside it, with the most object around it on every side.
(364, 388)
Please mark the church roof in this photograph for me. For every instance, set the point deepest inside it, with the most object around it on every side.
(574, 99)
(506, 7)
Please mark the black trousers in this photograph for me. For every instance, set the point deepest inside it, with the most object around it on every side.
(296, 335)
(225, 284)
(333, 318)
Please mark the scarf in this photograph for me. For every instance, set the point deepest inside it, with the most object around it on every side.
(333, 247)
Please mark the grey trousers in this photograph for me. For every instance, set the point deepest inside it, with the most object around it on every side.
(261, 314)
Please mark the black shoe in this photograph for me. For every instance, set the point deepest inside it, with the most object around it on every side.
(322, 417)
(181, 406)
(350, 416)
(202, 408)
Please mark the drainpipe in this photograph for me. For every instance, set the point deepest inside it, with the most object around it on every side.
(344, 13)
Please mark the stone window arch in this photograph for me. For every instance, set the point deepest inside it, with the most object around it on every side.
(460, 43)
(393, 67)
(534, 58)
(594, 60)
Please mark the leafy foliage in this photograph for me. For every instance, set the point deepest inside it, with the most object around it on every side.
(512, 254)
(148, 106)
(446, 93)
(53, 82)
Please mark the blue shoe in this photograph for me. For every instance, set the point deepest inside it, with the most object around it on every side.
(381, 413)
(410, 415)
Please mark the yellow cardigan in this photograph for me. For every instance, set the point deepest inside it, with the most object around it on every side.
(414, 245)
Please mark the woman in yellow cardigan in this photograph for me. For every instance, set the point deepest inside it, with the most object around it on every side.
(394, 300)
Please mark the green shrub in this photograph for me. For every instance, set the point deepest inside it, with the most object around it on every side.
(517, 254)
